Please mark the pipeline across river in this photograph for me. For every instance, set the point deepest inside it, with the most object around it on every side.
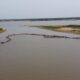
(8, 37)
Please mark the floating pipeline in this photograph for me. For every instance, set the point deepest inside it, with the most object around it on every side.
(8, 37)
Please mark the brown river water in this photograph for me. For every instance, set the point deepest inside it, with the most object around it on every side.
(28, 57)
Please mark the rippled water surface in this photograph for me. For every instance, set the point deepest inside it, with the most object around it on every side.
(37, 58)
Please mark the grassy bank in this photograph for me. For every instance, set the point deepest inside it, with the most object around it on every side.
(2, 30)
(65, 28)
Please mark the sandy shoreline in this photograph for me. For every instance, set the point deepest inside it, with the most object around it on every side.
(65, 28)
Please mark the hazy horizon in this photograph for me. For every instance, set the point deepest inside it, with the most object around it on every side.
(41, 18)
(24, 9)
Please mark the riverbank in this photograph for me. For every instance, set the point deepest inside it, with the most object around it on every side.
(2, 30)
(65, 28)
(42, 19)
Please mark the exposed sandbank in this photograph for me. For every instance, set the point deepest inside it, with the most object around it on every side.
(2, 30)
(64, 28)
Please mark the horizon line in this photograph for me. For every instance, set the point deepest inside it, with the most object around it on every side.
(57, 18)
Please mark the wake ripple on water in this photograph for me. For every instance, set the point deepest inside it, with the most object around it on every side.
(8, 37)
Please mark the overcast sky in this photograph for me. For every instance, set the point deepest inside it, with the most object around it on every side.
(39, 8)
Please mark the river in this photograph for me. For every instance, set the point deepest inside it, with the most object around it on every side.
(29, 57)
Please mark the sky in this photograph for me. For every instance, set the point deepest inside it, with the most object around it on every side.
(17, 9)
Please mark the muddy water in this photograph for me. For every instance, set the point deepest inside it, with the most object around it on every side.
(37, 58)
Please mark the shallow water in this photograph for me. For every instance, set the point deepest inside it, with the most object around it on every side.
(36, 58)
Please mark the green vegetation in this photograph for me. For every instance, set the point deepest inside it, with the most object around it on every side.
(48, 27)
(2, 30)
(64, 28)
(72, 26)
(43, 19)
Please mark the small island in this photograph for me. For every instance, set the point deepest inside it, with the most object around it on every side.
(64, 28)
(2, 30)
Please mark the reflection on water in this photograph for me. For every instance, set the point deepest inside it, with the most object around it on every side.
(36, 58)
